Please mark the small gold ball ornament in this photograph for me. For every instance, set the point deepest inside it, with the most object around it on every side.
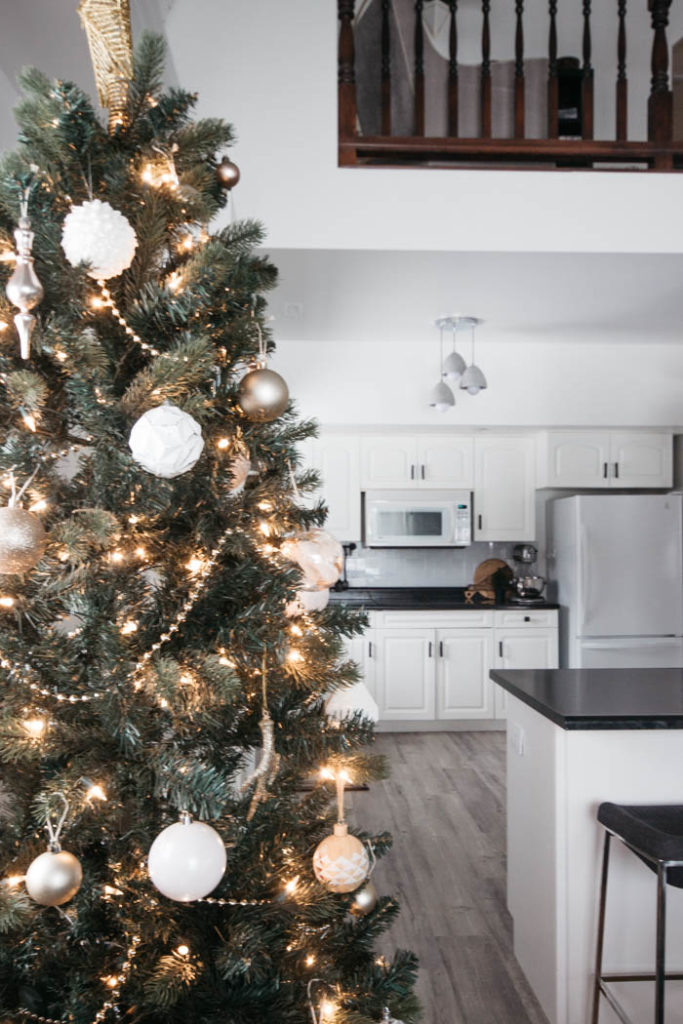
(22, 540)
(263, 395)
(54, 878)
(227, 174)
(364, 901)
(341, 861)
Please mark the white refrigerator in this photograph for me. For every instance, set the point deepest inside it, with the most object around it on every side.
(618, 563)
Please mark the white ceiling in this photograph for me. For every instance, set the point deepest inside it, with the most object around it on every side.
(383, 296)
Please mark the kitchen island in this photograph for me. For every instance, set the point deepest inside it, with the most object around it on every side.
(577, 737)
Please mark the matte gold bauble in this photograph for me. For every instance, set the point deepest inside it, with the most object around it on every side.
(227, 174)
(364, 901)
(263, 395)
(341, 861)
(22, 540)
(54, 878)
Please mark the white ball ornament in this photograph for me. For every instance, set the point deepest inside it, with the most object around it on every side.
(319, 556)
(96, 233)
(187, 860)
(54, 878)
(341, 862)
(166, 441)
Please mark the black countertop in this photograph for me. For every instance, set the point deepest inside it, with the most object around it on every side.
(600, 698)
(417, 598)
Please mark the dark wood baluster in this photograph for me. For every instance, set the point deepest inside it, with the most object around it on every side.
(660, 102)
(587, 84)
(453, 71)
(486, 70)
(553, 96)
(519, 70)
(386, 67)
(346, 78)
(622, 81)
(419, 71)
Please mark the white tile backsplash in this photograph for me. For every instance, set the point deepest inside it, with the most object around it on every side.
(421, 567)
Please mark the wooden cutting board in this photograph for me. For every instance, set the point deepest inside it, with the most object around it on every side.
(482, 584)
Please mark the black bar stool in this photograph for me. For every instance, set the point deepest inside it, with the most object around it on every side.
(655, 834)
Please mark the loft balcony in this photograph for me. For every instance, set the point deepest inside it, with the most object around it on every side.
(530, 84)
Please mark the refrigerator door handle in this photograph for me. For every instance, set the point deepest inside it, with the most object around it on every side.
(584, 582)
(624, 642)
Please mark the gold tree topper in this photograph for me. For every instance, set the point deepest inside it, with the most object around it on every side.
(107, 24)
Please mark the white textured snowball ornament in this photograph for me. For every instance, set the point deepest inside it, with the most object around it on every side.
(341, 861)
(187, 860)
(166, 441)
(319, 556)
(96, 233)
(54, 878)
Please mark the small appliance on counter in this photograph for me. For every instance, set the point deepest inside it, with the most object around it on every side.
(526, 585)
(343, 581)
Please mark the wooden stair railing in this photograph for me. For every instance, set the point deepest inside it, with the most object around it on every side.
(659, 151)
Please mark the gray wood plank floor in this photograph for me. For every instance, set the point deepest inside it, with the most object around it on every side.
(445, 805)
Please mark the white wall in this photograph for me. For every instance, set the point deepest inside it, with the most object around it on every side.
(530, 384)
(270, 68)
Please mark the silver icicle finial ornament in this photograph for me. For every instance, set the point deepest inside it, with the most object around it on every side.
(24, 290)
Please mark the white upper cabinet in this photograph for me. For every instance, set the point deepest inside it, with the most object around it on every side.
(423, 461)
(603, 459)
(504, 471)
(336, 457)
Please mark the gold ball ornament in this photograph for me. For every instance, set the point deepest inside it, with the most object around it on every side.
(227, 174)
(54, 878)
(22, 540)
(364, 901)
(341, 862)
(263, 395)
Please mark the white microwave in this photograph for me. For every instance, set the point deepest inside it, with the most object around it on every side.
(413, 519)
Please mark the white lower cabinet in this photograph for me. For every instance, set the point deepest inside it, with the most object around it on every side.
(434, 666)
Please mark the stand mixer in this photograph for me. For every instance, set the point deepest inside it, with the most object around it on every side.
(528, 588)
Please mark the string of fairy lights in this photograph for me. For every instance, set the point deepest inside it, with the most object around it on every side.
(201, 567)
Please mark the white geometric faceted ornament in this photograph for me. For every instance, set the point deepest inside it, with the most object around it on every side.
(351, 700)
(341, 862)
(319, 556)
(96, 233)
(166, 441)
(187, 860)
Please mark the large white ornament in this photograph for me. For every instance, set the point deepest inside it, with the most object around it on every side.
(352, 699)
(166, 441)
(341, 861)
(187, 860)
(318, 554)
(96, 233)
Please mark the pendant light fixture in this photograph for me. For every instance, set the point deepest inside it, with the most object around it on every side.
(442, 398)
(454, 365)
(473, 380)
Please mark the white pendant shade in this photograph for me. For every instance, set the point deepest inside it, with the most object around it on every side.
(442, 398)
(454, 366)
(473, 380)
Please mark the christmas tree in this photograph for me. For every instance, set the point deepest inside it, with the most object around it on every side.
(164, 687)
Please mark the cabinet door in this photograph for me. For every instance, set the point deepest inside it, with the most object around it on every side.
(504, 488)
(576, 458)
(446, 461)
(641, 460)
(405, 674)
(463, 687)
(389, 461)
(337, 459)
(522, 648)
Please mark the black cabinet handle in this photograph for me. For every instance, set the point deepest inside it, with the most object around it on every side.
(369, 648)
(441, 648)
(422, 471)
(431, 649)
(500, 648)
(527, 618)
(479, 521)
(605, 470)
(616, 470)
(412, 472)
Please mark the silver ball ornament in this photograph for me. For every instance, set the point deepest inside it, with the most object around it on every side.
(54, 878)
(364, 901)
(263, 395)
(22, 540)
